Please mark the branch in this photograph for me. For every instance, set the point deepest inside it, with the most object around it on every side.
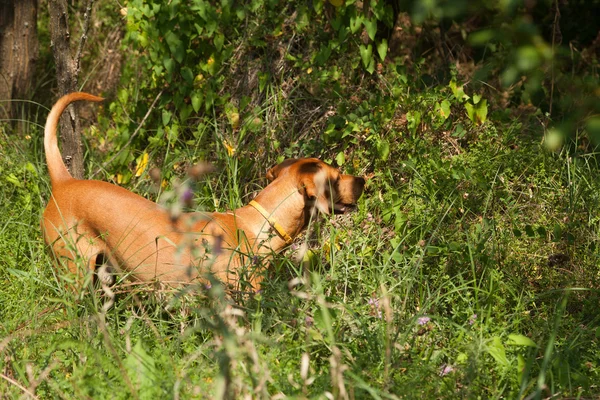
(131, 137)
(86, 28)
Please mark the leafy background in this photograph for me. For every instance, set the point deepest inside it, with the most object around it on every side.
(470, 268)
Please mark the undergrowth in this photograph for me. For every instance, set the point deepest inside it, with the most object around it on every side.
(469, 269)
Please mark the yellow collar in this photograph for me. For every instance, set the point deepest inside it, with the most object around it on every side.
(273, 222)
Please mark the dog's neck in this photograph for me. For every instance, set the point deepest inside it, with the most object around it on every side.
(282, 202)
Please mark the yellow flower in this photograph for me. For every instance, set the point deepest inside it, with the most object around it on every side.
(142, 163)
(230, 149)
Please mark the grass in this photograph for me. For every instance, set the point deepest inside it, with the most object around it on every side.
(467, 271)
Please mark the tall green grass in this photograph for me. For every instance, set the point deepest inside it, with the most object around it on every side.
(468, 273)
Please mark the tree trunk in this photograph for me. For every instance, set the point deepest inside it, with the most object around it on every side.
(18, 53)
(66, 76)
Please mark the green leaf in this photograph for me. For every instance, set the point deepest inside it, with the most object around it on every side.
(414, 120)
(470, 111)
(542, 231)
(197, 99)
(187, 74)
(382, 49)
(176, 46)
(527, 58)
(371, 67)
(529, 231)
(383, 149)
(11, 178)
(444, 109)
(520, 340)
(169, 64)
(355, 23)
(458, 91)
(340, 158)
(592, 127)
(481, 112)
(141, 369)
(496, 349)
(556, 232)
(371, 27)
(166, 117)
(476, 98)
(366, 54)
(218, 41)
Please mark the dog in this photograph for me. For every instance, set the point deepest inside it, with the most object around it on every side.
(98, 224)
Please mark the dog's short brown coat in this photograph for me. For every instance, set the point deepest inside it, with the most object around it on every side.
(89, 219)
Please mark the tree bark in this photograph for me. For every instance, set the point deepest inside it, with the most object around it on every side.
(67, 71)
(18, 53)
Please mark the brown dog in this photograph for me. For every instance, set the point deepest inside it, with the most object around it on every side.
(98, 223)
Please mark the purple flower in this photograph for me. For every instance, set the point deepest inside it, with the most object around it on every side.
(423, 320)
(472, 319)
(308, 321)
(375, 307)
(187, 196)
(446, 369)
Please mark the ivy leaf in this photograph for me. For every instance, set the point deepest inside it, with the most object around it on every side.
(176, 46)
(197, 99)
(371, 27)
(169, 64)
(340, 159)
(382, 49)
(444, 109)
(187, 74)
(366, 54)
(218, 41)
(355, 23)
(470, 111)
(166, 117)
(482, 111)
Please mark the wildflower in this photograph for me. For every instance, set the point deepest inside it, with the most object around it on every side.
(423, 320)
(472, 319)
(375, 306)
(308, 321)
(142, 163)
(187, 196)
(229, 147)
(446, 369)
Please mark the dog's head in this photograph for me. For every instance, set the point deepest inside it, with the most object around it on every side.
(323, 186)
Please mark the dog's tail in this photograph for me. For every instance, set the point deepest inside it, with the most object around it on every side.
(56, 167)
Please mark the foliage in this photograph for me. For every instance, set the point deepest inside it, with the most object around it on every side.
(469, 269)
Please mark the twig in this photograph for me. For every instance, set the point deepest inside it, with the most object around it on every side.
(555, 32)
(131, 137)
(17, 384)
(86, 28)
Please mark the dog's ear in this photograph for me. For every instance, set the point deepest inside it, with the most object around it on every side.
(276, 170)
(314, 189)
(272, 173)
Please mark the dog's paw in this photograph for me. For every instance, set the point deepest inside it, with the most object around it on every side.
(105, 275)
